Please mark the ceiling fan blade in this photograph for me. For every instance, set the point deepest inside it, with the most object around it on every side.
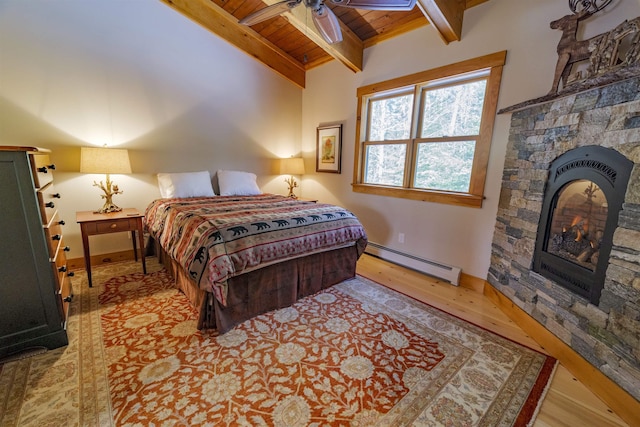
(269, 12)
(327, 24)
(392, 5)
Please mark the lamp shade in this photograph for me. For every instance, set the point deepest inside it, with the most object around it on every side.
(104, 160)
(292, 166)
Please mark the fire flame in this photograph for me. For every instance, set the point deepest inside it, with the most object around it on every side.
(580, 222)
(580, 226)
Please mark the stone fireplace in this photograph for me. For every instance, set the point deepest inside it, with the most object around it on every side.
(575, 221)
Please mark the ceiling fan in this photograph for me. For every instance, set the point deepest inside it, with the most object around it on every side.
(323, 17)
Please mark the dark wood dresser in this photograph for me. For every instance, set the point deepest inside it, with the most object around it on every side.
(35, 286)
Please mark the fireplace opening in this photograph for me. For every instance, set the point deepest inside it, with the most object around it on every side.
(583, 197)
(578, 222)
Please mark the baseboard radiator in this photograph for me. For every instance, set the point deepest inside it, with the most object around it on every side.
(432, 268)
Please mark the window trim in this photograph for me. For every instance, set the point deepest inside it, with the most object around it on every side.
(494, 63)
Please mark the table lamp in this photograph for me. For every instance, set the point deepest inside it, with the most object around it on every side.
(105, 160)
(292, 166)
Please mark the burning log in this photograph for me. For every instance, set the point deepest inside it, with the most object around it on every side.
(586, 254)
(593, 248)
(595, 243)
(577, 230)
(573, 237)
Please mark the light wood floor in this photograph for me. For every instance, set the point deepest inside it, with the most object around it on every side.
(568, 402)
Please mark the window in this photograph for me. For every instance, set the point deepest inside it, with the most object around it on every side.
(427, 136)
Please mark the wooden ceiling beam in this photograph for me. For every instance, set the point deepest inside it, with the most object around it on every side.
(225, 25)
(445, 16)
(349, 51)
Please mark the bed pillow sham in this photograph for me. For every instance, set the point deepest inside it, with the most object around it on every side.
(237, 183)
(185, 184)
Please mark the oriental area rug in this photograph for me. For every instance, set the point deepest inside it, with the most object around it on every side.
(357, 354)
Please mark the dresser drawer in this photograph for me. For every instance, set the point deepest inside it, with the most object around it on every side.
(53, 234)
(41, 168)
(60, 268)
(116, 225)
(48, 200)
(66, 295)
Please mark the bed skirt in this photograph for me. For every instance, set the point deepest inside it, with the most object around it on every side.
(268, 288)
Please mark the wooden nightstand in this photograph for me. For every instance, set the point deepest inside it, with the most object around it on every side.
(92, 223)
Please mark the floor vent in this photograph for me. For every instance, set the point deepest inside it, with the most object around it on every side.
(432, 268)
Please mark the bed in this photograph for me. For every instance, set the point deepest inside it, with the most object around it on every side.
(235, 257)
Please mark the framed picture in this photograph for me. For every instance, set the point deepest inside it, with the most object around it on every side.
(329, 149)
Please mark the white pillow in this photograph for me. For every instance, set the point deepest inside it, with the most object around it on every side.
(186, 184)
(235, 183)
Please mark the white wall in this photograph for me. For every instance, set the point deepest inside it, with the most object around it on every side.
(136, 74)
(449, 234)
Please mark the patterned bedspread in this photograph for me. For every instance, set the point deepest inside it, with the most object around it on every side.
(216, 238)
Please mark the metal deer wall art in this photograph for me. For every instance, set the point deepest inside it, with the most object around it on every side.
(601, 54)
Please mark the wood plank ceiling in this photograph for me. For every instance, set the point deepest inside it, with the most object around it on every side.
(290, 43)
